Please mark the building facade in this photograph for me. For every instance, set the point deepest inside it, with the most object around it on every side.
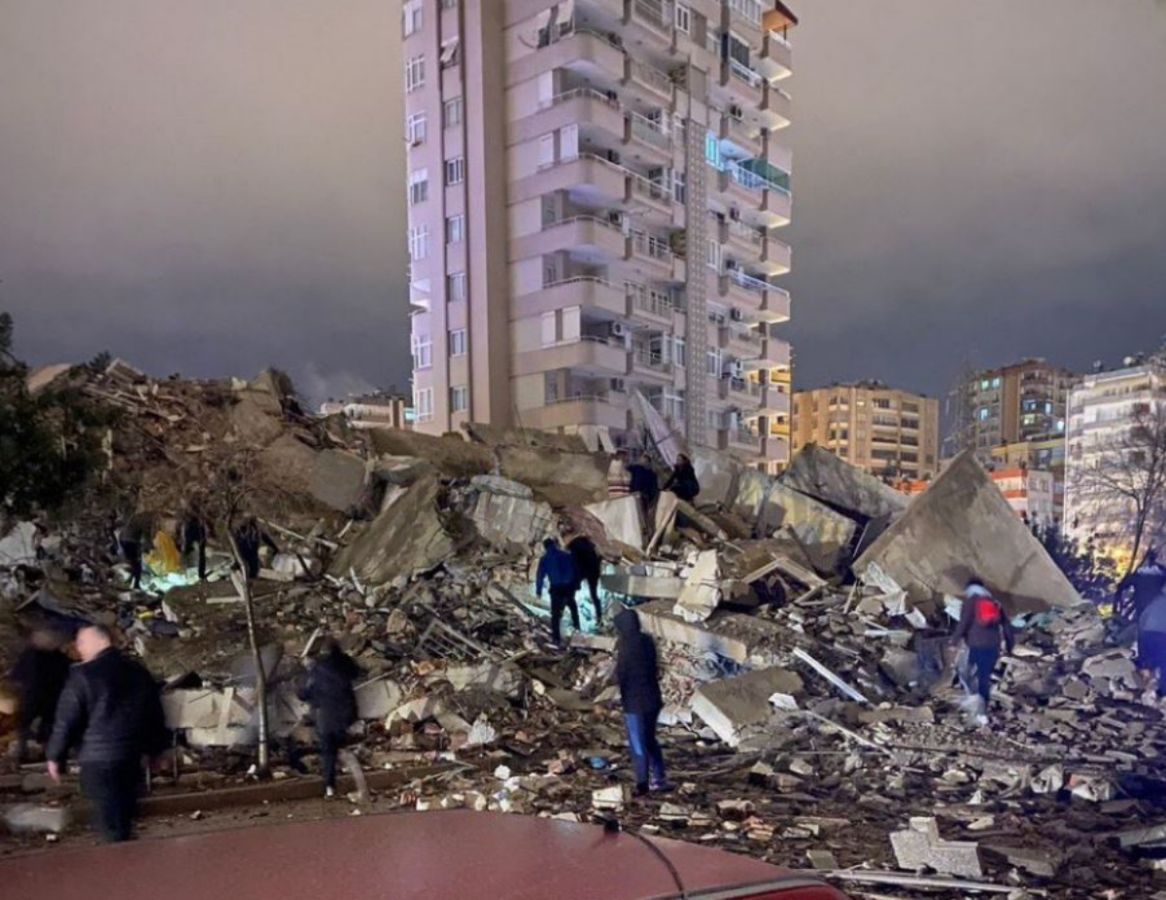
(1103, 410)
(382, 410)
(888, 432)
(596, 195)
(1022, 402)
(1030, 492)
(1046, 456)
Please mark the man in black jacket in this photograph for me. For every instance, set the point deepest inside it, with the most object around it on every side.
(111, 708)
(983, 627)
(328, 692)
(588, 566)
(639, 692)
(683, 482)
(645, 484)
(39, 674)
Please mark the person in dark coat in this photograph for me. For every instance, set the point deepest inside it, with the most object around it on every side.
(135, 538)
(645, 484)
(639, 693)
(328, 692)
(983, 626)
(194, 537)
(1145, 583)
(588, 566)
(249, 538)
(557, 570)
(39, 675)
(682, 482)
(110, 707)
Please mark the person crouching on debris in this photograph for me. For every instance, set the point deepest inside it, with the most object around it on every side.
(983, 624)
(588, 567)
(682, 482)
(329, 694)
(112, 709)
(639, 694)
(1152, 639)
(557, 569)
(39, 675)
(249, 538)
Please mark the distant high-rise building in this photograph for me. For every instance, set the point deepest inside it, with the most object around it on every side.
(596, 192)
(888, 432)
(1047, 456)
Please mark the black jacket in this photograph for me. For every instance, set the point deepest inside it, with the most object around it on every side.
(110, 706)
(644, 482)
(328, 691)
(682, 482)
(978, 636)
(40, 676)
(635, 667)
(588, 565)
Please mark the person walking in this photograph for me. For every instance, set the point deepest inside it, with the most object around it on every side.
(588, 567)
(982, 627)
(1145, 583)
(134, 538)
(683, 482)
(557, 569)
(111, 709)
(40, 674)
(194, 536)
(329, 694)
(250, 537)
(639, 693)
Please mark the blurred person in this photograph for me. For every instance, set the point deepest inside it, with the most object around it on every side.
(683, 482)
(557, 570)
(588, 567)
(329, 694)
(39, 675)
(983, 626)
(1144, 584)
(135, 540)
(1152, 639)
(250, 537)
(639, 694)
(194, 536)
(645, 483)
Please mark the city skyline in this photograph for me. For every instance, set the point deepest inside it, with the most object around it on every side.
(214, 191)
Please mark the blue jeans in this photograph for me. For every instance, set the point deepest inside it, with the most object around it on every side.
(981, 662)
(645, 748)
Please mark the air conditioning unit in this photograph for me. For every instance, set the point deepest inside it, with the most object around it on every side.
(737, 315)
(736, 111)
(618, 329)
(612, 157)
(619, 385)
(615, 217)
(737, 369)
(734, 214)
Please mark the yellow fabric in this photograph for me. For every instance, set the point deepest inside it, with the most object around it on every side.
(164, 559)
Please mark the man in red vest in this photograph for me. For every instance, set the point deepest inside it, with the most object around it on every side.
(983, 625)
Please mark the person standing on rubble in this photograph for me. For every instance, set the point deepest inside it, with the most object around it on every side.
(111, 708)
(329, 694)
(639, 694)
(1152, 639)
(1146, 582)
(194, 536)
(983, 625)
(135, 538)
(645, 484)
(249, 538)
(682, 482)
(39, 675)
(588, 567)
(557, 569)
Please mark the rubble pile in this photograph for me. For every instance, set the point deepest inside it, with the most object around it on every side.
(811, 715)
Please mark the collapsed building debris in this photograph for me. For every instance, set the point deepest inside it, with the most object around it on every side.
(808, 715)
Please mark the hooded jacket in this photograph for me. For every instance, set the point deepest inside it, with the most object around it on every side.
(556, 567)
(635, 666)
(683, 482)
(978, 635)
(328, 691)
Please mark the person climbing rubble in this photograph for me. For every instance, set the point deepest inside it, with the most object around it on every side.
(645, 484)
(329, 694)
(111, 708)
(557, 569)
(194, 537)
(683, 482)
(640, 697)
(1144, 584)
(588, 566)
(135, 539)
(39, 675)
(250, 537)
(1152, 639)
(983, 625)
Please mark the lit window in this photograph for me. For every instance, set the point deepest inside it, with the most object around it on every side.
(455, 170)
(451, 112)
(458, 342)
(412, 18)
(459, 398)
(455, 286)
(415, 129)
(418, 186)
(414, 72)
(455, 229)
(679, 186)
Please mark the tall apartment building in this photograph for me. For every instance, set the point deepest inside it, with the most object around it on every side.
(888, 432)
(1047, 456)
(1025, 401)
(1102, 411)
(596, 190)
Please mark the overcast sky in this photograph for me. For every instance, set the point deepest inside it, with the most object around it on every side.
(210, 187)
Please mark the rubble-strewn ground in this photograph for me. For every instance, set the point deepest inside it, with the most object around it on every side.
(809, 716)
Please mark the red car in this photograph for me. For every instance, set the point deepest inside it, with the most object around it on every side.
(418, 856)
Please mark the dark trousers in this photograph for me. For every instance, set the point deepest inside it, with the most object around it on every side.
(981, 662)
(1152, 655)
(200, 550)
(646, 752)
(30, 713)
(591, 579)
(112, 791)
(132, 551)
(562, 598)
(250, 562)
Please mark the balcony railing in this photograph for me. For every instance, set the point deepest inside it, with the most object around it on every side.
(756, 285)
(656, 13)
(650, 76)
(594, 220)
(650, 301)
(646, 359)
(744, 438)
(744, 232)
(649, 130)
(752, 180)
(649, 245)
(779, 38)
(743, 386)
(652, 190)
(579, 279)
(590, 93)
(744, 73)
(743, 335)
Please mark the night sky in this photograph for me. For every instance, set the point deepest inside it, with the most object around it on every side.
(212, 187)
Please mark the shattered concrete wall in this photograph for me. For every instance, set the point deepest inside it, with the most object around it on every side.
(819, 473)
(962, 526)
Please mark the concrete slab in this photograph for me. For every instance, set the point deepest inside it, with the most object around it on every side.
(504, 518)
(822, 475)
(920, 846)
(701, 591)
(962, 526)
(730, 705)
(376, 699)
(733, 635)
(642, 585)
(622, 519)
(338, 479)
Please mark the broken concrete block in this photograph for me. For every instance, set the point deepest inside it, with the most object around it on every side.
(1094, 788)
(701, 591)
(609, 798)
(646, 586)
(339, 480)
(28, 818)
(1034, 860)
(18, 548)
(1049, 780)
(376, 699)
(560, 478)
(451, 455)
(822, 475)
(490, 676)
(622, 519)
(503, 518)
(733, 635)
(901, 666)
(960, 526)
(730, 705)
(1115, 665)
(825, 535)
(823, 860)
(920, 847)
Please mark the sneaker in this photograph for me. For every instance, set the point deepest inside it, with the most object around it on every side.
(662, 787)
(981, 720)
(329, 793)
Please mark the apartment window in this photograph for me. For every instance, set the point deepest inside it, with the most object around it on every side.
(713, 255)
(455, 229)
(679, 352)
(455, 286)
(422, 351)
(449, 52)
(458, 342)
(411, 17)
(418, 242)
(683, 18)
(455, 170)
(713, 363)
(414, 72)
(451, 112)
(459, 398)
(423, 404)
(415, 129)
(679, 186)
(418, 186)
(449, 4)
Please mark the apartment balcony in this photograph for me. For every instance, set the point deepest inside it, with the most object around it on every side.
(741, 342)
(586, 291)
(776, 305)
(776, 256)
(740, 439)
(649, 83)
(749, 28)
(775, 61)
(579, 50)
(650, 366)
(757, 196)
(738, 188)
(743, 83)
(778, 153)
(651, 255)
(587, 238)
(597, 175)
(647, 138)
(775, 448)
(776, 206)
(776, 107)
(743, 290)
(591, 355)
(740, 134)
(653, 198)
(775, 352)
(774, 402)
(582, 106)
(610, 410)
(747, 241)
(649, 306)
(741, 391)
(651, 21)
